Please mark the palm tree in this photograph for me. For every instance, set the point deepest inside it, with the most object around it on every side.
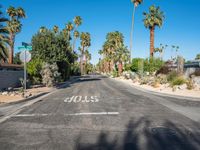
(43, 29)
(135, 5)
(77, 21)
(3, 39)
(69, 28)
(85, 43)
(76, 36)
(20, 13)
(154, 18)
(87, 56)
(121, 56)
(197, 57)
(14, 26)
(56, 29)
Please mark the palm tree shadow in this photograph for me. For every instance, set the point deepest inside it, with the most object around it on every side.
(140, 135)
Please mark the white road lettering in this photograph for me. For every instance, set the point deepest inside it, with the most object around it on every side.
(82, 99)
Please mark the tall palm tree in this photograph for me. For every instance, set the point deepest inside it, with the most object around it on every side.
(121, 56)
(87, 56)
(56, 29)
(76, 36)
(3, 39)
(77, 21)
(135, 5)
(85, 43)
(14, 26)
(69, 28)
(154, 18)
(42, 29)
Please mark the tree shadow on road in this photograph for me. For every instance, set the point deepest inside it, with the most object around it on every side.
(142, 135)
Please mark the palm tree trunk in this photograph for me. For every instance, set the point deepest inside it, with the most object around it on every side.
(11, 53)
(132, 29)
(81, 60)
(120, 66)
(74, 44)
(109, 66)
(152, 41)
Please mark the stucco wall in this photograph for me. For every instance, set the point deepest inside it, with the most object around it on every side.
(10, 78)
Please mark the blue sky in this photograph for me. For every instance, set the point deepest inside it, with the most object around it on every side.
(181, 26)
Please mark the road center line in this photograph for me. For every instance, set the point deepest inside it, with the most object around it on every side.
(74, 114)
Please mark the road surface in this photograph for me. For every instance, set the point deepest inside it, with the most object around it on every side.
(98, 113)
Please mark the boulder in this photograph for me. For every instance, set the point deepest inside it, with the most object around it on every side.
(5, 93)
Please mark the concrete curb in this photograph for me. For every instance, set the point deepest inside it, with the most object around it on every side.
(159, 93)
(34, 100)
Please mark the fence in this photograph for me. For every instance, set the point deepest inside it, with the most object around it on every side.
(10, 75)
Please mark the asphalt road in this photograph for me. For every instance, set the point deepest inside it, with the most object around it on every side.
(98, 113)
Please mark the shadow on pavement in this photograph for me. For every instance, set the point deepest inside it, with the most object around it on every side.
(167, 137)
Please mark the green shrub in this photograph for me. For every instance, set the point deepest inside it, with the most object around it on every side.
(115, 73)
(135, 66)
(171, 76)
(178, 81)
(34, 68)
(153, 64)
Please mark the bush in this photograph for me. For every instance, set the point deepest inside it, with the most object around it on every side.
(190, 84)
(196, 73)
(50, 75)
(171, 76)
(162, 79)
(144, 80)
(115, 73)
(163, 70)
(34, 68)
(135, 66)
(75, 69)
(178, 81)
(153, 64)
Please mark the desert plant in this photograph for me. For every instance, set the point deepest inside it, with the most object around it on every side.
(162, 79)
(115, 73)
(153, 64)
(178, 81)
(156, 83)
(163, 70)
(171, 76)
(190, 84)
(34, 68)
(144, 80)
(50, 74)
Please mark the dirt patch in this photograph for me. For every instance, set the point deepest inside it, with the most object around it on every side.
(14, 96)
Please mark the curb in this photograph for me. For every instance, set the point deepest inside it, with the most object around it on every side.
(161, 94)
(34, 100)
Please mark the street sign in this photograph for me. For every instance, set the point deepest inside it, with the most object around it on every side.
(25, 47)
(25, 56)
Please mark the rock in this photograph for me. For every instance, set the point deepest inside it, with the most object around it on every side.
(10, 88)
(28, 94)
(156, 85)
(182, 87)
(5, 93)
(174, 89)
(13, 94)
